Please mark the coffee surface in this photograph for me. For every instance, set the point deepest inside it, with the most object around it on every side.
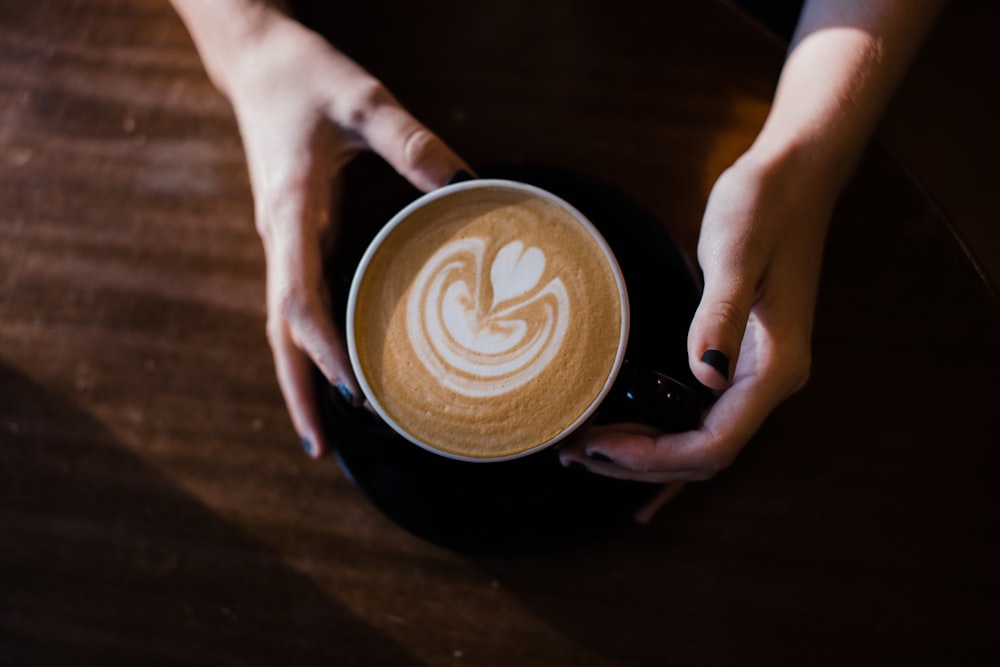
(487, 322)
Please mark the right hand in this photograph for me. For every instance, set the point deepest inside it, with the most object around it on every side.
(760, 248)
(304, 110)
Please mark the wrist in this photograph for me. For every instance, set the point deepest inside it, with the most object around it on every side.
(802, 165)
(227, 33)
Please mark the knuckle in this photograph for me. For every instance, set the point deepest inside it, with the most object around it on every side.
(715, 457)
(729, 317)
(273, 331)
(274, 205)
(293, 306)
(363, 99)
(291, 320)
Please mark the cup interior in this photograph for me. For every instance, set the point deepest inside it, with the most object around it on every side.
(407, 215)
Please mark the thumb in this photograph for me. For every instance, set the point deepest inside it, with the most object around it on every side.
(410, 148)
(719, 323)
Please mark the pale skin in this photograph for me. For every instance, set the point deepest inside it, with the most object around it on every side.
(761, 239)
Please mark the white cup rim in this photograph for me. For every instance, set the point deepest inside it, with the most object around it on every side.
(446, 191)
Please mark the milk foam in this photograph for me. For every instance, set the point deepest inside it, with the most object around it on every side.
(484, 339)
(460, 327)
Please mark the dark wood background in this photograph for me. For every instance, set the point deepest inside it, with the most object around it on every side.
(155, 507)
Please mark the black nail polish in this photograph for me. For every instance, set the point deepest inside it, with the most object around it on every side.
(307, 445)
(600, 458)
(460, 176)
(718, 361)
(346, 393)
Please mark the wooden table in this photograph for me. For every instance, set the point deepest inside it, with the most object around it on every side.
(155, 507)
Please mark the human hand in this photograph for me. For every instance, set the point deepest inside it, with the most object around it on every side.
(304, 110)
(762, 237)
(760, 248)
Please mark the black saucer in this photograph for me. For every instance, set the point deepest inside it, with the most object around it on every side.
(532, 504)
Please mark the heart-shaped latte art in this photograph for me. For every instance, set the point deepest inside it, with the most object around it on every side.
(516, 271)
(486, 351)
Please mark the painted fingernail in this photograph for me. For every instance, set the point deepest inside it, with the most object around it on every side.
(600, 458)
(346, 393)
(718, 361)
(307, 445)
(459, 176)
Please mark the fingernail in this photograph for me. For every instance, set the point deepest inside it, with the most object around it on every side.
(346, 393)
(307, 445)
(601, 458)
(459, 176)
(718, 361)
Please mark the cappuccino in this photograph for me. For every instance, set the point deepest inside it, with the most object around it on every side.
(487, 320)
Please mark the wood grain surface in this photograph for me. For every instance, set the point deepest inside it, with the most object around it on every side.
(155, 507)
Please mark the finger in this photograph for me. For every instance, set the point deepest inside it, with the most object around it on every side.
(315, 334)
(719, 323)
(294, 373)
(732, 255)
(636, 453)
(297, 295)
(590, 453)
(299, 300)
(418, 154)
(577, 448)
(596, 449)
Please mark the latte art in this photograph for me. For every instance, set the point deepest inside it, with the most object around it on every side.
(486, 321)
(483, 338)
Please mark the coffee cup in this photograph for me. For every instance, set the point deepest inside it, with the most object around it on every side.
(489, 320)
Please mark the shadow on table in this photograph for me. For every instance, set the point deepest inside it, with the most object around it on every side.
(861, 525)
(103, 561)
